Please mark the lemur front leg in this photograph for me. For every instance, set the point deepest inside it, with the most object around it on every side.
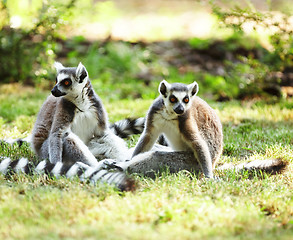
(68, 148)
(55, 147)
(146, 140)
(202, 155)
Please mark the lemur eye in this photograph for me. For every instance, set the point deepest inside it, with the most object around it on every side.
(173, 99)
(56, 80)
(66, 83)
(186, 99)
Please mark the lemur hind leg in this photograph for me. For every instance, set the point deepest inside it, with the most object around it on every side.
(74, 150)
(109, 146)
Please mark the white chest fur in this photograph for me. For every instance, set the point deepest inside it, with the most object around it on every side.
(85, 124)
(170, 128)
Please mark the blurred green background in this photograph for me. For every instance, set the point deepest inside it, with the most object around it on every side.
(233, 49)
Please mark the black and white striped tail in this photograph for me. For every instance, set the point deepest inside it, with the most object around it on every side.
(84, 172)
(18, 141)
(127, 127)
(269, 166)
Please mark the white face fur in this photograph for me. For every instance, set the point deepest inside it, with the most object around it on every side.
(69, 81)
(177, 97)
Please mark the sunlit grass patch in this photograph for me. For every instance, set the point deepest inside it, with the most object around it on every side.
(127, 109)
(171, 206)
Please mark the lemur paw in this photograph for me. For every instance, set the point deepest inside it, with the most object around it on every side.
(111, 164)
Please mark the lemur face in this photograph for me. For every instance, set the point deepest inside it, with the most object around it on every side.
(69, 81)
(177, 96)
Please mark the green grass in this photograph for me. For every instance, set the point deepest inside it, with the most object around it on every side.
(173, 206)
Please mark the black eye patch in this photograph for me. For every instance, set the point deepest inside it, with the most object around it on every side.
(173, 99)
(186, 99)
(66, 82)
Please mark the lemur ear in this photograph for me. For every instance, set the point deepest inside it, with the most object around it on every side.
(58, 66)
(164, 87)
(193, 88)
(81, 72)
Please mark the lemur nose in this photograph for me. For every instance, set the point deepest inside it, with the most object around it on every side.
(55, 92)
(179, 109)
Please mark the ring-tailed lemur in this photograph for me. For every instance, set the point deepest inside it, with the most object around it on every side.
(72, 125)
(190, 124)
(84, 172)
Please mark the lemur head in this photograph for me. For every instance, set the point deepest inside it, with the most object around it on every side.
(69, 80)
(177, 96)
